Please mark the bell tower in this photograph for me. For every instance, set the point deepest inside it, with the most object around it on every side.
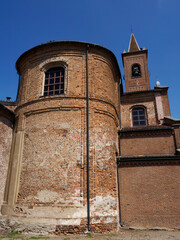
(135, 67)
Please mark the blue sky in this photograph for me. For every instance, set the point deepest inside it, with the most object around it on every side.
(156, 26)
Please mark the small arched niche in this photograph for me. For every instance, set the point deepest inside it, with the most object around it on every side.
(136, 70)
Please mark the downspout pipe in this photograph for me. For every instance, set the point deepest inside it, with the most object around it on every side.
(119, 194)
(87, 140)
(119, 95)
(175, 142)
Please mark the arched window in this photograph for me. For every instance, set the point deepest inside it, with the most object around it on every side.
(139, 116)
(136, 70)
(54, 81)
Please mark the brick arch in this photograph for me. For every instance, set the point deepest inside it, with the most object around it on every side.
(48, 65)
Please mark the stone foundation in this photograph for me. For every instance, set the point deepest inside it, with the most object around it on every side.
(36, 227)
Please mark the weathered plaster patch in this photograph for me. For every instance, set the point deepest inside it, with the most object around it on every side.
(30, 227)
(103, 206)
(47, 196)
(80, 213)
(64, 125)
(69, 222)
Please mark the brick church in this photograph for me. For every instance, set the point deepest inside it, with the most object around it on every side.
(78, 152)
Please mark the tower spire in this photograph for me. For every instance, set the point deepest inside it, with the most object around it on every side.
(133, 45)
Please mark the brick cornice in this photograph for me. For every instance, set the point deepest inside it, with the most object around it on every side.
(146, 131)
(134, 161)
(42, 98)
(145, 91)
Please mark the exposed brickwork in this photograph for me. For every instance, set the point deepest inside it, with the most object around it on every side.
(52, 180)
(11, 105)
(165, 103)
(148, 190)
(177, 136)
(147, 143)
(155, 102)
(47, 144)
(102, 83)
(46, 184)
(149, 195)
(95, 228)
(136, 83)
(6, 130)
(144, 99)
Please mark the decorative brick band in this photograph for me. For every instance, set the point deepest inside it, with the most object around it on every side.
(95, 228)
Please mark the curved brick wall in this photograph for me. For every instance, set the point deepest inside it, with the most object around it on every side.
(48, 185)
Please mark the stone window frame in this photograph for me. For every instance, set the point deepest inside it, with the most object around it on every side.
(136, 64)
(145, 114)
(55, 64)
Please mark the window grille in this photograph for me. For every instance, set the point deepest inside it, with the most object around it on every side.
(54, 81)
